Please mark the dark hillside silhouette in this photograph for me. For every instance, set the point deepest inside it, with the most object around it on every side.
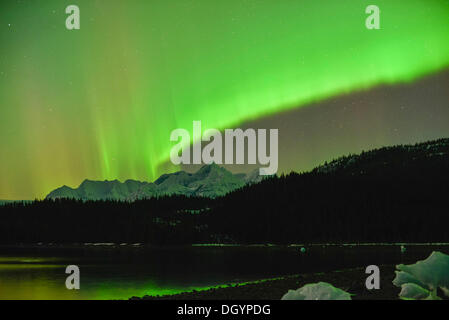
(395, 194)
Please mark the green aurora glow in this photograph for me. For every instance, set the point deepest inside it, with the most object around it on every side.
(100, 103)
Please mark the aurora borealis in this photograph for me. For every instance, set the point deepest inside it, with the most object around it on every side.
(100, 102)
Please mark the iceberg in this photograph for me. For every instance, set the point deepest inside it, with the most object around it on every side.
(422, 279)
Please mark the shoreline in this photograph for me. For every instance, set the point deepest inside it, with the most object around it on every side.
(211, 245)
(350, 280)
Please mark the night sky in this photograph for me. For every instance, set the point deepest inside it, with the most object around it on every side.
(100, 102)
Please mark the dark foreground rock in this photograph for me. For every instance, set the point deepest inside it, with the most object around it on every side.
(352, 281)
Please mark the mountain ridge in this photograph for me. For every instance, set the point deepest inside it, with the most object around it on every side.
(209, 181)
(387, 195)
(213, 180)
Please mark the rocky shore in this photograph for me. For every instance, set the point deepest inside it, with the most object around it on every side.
(351, 280)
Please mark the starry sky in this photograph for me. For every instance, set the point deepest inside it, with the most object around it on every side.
(100, 102)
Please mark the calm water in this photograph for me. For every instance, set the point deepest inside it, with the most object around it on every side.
(119, 272)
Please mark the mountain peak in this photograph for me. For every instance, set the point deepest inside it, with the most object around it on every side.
(210, 180)
(210, 169)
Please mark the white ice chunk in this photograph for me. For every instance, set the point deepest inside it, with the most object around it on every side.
(412, 291)
(433, 272)
(404, 277)
(317, 291)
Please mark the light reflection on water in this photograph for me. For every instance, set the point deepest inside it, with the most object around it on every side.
(120, 273)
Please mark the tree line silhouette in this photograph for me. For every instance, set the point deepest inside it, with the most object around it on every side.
(395, 194)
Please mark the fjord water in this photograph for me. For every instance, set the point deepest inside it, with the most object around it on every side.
(123, 271)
